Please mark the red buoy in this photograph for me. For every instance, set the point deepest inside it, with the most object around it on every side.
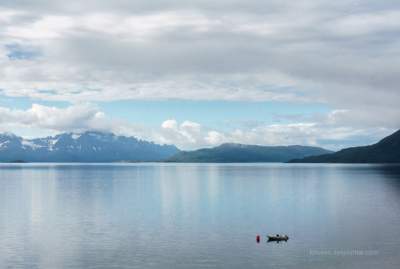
(258, 238)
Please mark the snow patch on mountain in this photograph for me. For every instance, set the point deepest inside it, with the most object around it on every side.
(28, 143)
(4, 144)
(75, 136)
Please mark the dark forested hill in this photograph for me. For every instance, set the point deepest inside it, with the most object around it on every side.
(385, 151)
(246, 153)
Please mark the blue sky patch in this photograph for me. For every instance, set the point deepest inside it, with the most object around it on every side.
(19, 52)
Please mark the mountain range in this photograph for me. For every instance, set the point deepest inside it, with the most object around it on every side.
(239, 153)
(93, 146)
(89, 146)
(385, 151)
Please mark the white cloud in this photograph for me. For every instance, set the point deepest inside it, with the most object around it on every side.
(327, 131)
(331, 131)
(72, 118)
(185, 135)
(169, 125)
(313, 134)
(214, 138)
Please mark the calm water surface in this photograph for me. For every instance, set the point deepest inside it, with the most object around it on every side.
(199, 216)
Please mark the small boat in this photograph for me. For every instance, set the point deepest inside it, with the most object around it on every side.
(278, 238)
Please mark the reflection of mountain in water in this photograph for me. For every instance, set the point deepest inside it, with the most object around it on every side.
(391, 176)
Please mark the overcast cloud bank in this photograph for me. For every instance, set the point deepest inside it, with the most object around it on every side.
(341, 53)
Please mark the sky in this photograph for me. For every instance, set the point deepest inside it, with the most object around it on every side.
(201, 73)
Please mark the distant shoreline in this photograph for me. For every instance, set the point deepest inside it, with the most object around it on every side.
(169, 162)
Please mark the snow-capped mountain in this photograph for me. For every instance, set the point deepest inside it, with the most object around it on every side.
(89, 146)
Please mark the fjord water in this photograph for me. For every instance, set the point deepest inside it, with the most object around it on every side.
(199, 215)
